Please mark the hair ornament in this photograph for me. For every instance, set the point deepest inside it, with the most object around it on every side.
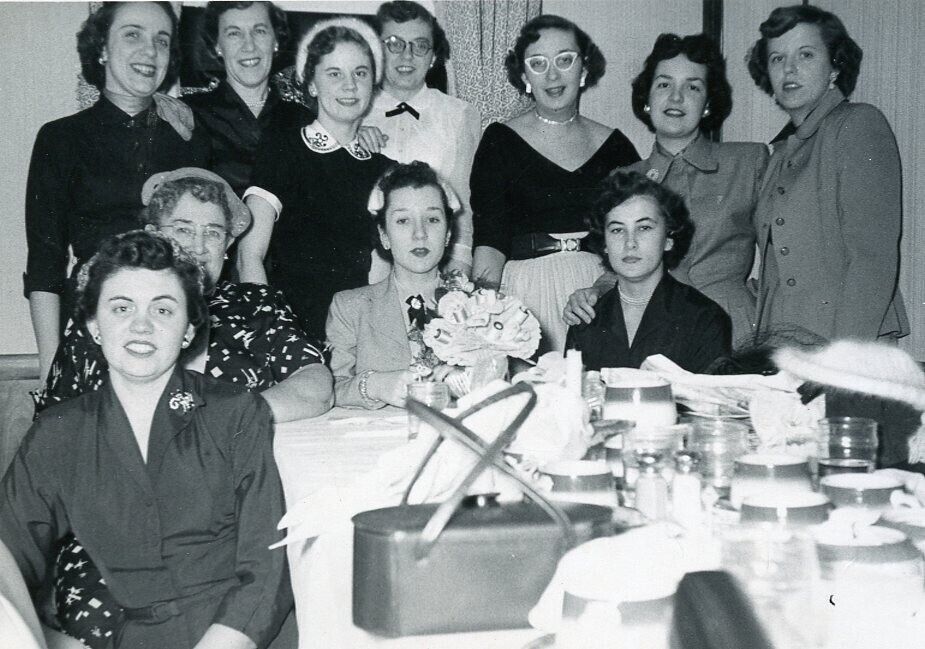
(376, 201)
(363, 29)
(240, 214)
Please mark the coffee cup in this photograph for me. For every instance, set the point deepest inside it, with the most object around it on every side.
(578, 475)
(794, 509)
(866, 491)
(771, 474)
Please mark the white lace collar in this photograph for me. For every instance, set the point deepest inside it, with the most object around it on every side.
(317, 138)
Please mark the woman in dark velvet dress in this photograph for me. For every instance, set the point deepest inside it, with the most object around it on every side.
(533, 175)
(166, 476)
(642, 228)
(87, 169)
(311, 185)
(244, 105)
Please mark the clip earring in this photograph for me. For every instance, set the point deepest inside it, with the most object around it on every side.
(276, 48)
(832, 80)
(102, 60)
(647, 109)
(706, 111)
(581, 84)
(97, 339)
(529, 88)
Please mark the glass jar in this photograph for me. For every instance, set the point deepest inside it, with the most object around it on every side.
(718, 443)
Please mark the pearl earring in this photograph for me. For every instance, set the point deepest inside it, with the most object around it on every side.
(646, 109)
(529, 88)
(102, 60)
(706, 111)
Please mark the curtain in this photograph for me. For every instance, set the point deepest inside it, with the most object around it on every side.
(480, 34)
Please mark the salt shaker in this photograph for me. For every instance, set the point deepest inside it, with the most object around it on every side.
(686, 507)
(651, 487)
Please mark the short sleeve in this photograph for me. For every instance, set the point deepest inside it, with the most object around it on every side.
(273, 169)
(288, 347)
(47, 209)
(490, 199)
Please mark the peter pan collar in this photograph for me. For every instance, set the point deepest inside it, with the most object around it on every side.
(317, 138)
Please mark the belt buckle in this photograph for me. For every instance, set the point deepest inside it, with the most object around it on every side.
(569, 245)
(164, 611)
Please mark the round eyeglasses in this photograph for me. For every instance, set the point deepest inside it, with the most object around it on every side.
(539, 64)
(398, 45)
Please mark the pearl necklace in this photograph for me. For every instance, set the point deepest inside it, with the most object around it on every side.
(553, 122)
(634, 301)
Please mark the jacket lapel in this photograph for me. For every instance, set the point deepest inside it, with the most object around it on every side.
(386, 316)
(115, 428)
(174, 413)
(656, 317)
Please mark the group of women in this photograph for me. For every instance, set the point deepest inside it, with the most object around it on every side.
(146, 498)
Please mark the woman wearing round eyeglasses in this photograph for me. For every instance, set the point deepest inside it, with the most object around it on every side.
(422, 123)
(533, 175)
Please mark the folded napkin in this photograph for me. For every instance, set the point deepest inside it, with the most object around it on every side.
(781, 420)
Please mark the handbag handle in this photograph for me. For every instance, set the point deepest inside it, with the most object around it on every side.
(489, 454)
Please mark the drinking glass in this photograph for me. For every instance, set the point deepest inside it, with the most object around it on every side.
(660, 441)
(720, 443)
(846, 445)
(435, 394)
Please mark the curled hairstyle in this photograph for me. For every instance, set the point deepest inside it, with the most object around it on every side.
(214, 11)
(94, 33)
(844, 53)
(401, 11)
(164, 200)
(323, 44)
(139, 249)
(699, 48)
(591, 56)
(621, 186)
(416, 175)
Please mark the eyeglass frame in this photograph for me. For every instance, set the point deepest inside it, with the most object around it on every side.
(545, 58)
(415, 44)
(205, 232)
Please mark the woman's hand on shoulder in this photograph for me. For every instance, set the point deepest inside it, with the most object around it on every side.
(372, 139)
(389, 387)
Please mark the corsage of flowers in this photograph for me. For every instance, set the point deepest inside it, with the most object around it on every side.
(474, 324)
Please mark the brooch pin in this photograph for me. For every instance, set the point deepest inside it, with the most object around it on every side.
(181, 400)
(653, 174)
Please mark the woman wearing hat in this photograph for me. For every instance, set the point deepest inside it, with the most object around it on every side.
(87, 169)
(310, 185)
(252, 340)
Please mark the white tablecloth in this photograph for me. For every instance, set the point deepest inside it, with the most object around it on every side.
(333, 450)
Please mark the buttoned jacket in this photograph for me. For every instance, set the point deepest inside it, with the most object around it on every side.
(829, 216)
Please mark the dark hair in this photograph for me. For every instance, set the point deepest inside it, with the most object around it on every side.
(416, 174)
(141, 249)
(844, 53)
(322, 44)
(591, 56)
(401, 11)
(93, 34)
(164, 201)
(214, 11)
(699, 48)
(621, 186)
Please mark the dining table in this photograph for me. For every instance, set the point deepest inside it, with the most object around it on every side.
(324, 456)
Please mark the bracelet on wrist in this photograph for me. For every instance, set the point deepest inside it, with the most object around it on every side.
(363, 387)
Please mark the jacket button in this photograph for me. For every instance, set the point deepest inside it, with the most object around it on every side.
(789, 164)
(791, 282)
(779, 221)
(785, 250)
(781, 190)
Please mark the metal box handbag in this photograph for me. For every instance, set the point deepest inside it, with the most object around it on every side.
(443, 568)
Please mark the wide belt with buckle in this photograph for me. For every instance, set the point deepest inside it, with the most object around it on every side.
(538, 244)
